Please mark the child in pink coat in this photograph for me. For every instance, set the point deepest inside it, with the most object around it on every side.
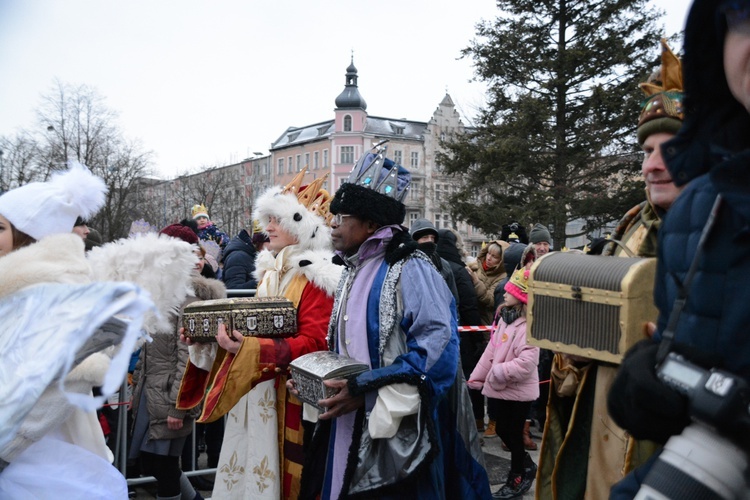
(507, 374)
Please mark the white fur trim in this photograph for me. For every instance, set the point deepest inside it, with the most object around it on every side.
(159, 264)
(321, 271)
(311, 231)
(56, 259)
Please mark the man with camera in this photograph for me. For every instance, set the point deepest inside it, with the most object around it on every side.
(583, 452)
(701, 285)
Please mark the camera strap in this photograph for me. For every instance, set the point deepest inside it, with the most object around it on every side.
(683, 287)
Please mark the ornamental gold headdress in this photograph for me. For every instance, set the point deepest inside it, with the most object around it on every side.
(662, 111)
(313, 197)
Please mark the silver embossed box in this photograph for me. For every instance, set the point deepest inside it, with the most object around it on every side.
(309, 372)
(255, 316)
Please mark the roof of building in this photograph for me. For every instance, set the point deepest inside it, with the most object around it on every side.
(350, 96)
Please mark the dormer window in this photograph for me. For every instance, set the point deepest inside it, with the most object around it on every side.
(398, 130)
(348, 123)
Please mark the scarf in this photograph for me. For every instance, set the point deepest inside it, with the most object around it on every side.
(275, 277)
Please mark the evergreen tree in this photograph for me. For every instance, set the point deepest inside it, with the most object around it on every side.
(556, 140)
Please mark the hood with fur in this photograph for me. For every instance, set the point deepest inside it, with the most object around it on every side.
(311, 230)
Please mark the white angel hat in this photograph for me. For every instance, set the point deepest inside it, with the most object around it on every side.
(40, 209)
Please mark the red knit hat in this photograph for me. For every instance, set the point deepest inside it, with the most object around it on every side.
(181, 232)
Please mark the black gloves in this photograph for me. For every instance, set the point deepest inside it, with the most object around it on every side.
(642, 404)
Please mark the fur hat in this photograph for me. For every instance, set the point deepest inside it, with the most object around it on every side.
(662, 111)
(302, 211)
(374, 190)
(181, 232)
(40, 209)
(518, 285)
(539, 234)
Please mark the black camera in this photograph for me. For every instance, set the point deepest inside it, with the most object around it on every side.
(708, 460)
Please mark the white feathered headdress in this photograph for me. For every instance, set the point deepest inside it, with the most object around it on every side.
(159, 264)
(40, 209)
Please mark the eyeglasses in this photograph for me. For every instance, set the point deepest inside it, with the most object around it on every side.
(339, 218)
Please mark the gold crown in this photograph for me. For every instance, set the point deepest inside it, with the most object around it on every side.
(669, 77)
(200, 210)
(520, 278)
(313, 197)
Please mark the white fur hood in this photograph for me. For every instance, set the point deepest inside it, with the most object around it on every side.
(316, 265)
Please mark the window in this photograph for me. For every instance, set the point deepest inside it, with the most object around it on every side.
(316, 158)
(442, 221)
(347, 154)
(256, 169)
(414, 159)
(325, 158)
(398, 157)
(439, 194)
(299, 162)
(414, 191)
(347, 123)
(289, 166)
(474, 251)
(265, 168)
(280, 170)
(307, 160)
(413, 216)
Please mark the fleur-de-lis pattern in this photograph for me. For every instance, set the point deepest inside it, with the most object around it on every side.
(249, 465)
(263, 474)
(267, 405)
(232, 472)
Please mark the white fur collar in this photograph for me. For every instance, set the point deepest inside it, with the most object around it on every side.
(59, 258)
(316, 266)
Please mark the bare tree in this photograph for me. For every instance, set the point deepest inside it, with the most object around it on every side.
(73, 123)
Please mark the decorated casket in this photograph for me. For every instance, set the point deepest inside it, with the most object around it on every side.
(251, 316)
(310, 370)
(590, 305)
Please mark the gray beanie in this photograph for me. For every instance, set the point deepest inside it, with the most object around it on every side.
(422, 227)
(539, 234)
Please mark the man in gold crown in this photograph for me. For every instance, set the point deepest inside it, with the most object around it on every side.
(583, 451)
(261, 455)
(207, 230)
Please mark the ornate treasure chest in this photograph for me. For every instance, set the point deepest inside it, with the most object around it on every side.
(590, 305)
(251, 316)
(309, 372)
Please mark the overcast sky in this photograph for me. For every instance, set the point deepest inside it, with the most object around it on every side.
(205, 83)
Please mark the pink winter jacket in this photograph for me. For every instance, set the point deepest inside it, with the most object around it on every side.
(508, 368)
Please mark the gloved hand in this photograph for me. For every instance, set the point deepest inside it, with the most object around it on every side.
(642, 404)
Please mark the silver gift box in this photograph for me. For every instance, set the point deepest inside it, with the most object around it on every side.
(309, 372)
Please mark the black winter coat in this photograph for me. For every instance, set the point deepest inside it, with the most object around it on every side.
(239, 263)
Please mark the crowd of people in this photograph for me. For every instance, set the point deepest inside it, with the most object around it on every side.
(365, 287)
